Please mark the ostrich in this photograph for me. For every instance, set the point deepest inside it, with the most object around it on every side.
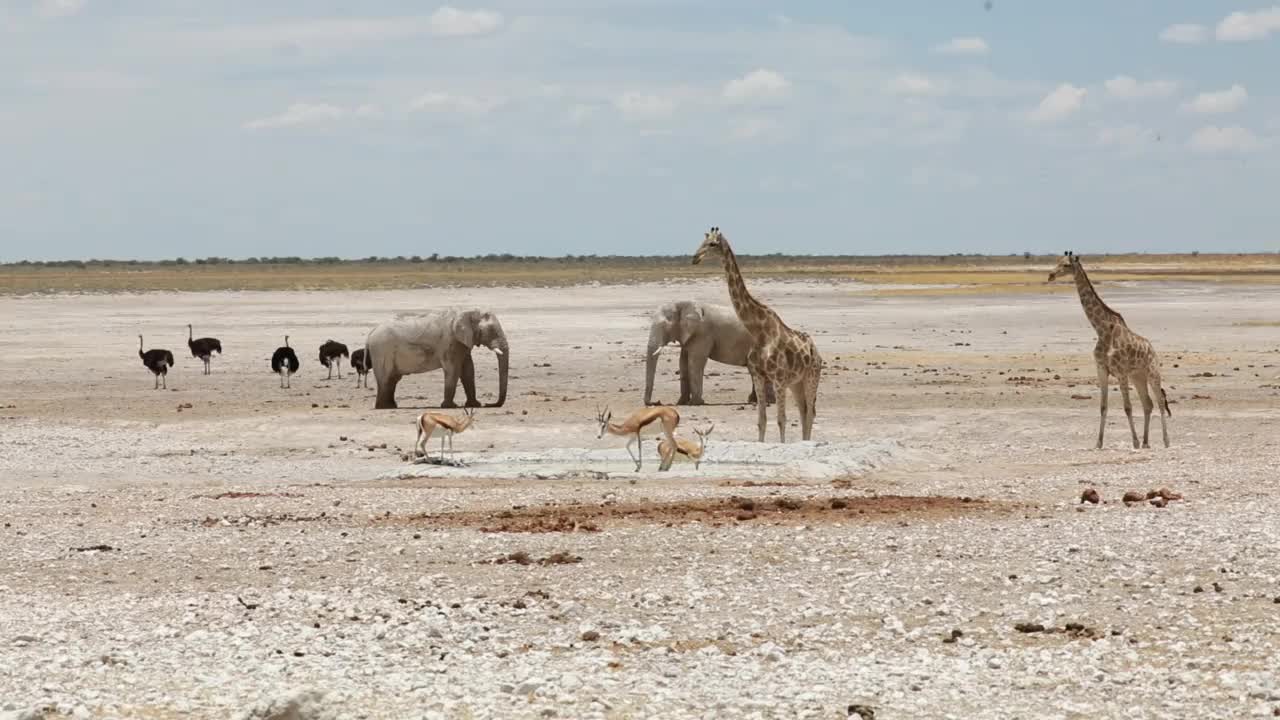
(360, 361)
(284, 362)
(157, 361)
(203, 349)
(331, 353)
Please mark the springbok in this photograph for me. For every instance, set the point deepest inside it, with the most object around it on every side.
(637, 421)
(685, 447)
(427, 423)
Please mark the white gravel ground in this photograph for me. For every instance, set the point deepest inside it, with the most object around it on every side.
(266, 556)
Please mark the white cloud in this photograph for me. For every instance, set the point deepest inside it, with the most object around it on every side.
(1223, 101)
(58, 8)
(450, 21)
(1245, 26)
(463, 104)
(1213, 139)
(645, 106)
(910, 83)
(1066, 99)
(756, 86)
(299, 114)
(1128, 88)
(1185, 34)
(969, 45)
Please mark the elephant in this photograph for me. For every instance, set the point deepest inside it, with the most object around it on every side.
(703, 331)
(441, 339)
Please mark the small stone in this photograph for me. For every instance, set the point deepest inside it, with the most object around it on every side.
(1090, 496)
(1158, 502)
(1133, 496)
(866, 712)
(1026, 627)
(528, 687)
(590, 636)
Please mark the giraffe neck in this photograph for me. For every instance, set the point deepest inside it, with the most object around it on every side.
(1100, 316)
(753, 313)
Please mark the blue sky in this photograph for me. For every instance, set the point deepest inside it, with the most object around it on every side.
(164, 128)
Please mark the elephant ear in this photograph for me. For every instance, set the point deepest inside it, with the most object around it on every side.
(690, 321)
(464, 329)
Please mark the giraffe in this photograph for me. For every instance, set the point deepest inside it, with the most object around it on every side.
(1121, 353)
(781, 356)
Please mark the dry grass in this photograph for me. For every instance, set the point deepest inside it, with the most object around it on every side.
(929, 275)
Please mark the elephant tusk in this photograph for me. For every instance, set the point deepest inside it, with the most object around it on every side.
(497, 351)
(659, 350)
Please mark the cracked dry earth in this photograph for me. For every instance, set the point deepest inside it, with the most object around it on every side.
(231, 549)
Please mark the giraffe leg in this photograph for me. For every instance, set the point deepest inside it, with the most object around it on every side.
(782, 413)
(1104, 387)
(1128, 408)
(802, 406)
(1158, 392)
(762, 418)
(810, 404)
(1140, 384)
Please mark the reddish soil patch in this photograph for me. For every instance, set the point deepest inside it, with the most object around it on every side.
(773, 510)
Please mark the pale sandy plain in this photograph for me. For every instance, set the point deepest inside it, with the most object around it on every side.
(256, 554)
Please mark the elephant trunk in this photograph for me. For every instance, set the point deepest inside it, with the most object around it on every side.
(504, 364)
(656, 338)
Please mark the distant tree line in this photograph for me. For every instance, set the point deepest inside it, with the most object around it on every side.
(495, 258)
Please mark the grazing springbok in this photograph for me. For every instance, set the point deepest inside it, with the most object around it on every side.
(684, 447)
(428, 421)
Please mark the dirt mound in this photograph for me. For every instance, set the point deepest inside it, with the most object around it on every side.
(772, 510)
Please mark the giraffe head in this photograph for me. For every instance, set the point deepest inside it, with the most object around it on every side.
(712, 240)
(1067, 265)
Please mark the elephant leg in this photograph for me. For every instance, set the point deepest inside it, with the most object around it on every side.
(386, 399)
(469, 380)
(452, 369)
(697, 367)
(684, 376)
